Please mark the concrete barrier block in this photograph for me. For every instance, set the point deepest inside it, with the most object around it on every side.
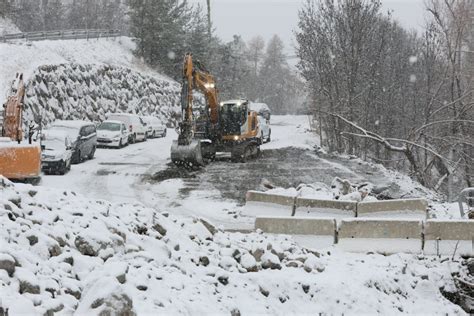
(403, 208)
(325, 208)
(380, 235)
(254, 209)
(446, 237)
(308, 232)
(256, 196)
(296, 226)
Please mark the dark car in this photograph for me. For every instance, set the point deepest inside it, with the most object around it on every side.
(82, 135)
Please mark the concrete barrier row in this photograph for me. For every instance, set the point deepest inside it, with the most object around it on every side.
(433, 237)
(306, 207)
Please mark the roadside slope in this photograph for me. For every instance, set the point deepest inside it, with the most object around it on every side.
(78, 78)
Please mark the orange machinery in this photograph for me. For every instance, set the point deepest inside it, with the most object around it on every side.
(228, 126)
(19, 159)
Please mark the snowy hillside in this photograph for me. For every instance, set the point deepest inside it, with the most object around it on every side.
(7, 27)
(88, 91)
(63, 252)
(85, 79)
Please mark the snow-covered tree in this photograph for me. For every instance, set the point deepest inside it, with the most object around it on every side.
(274, 75)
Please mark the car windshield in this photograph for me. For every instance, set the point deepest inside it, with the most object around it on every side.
(54, 139)
(109, 126)
(54, 144)
(71, 132)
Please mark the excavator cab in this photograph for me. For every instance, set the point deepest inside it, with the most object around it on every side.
(233, 115)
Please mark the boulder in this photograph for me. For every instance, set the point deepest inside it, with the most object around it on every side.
(7, 263)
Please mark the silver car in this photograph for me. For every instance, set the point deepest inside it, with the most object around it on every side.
(154, 127)
(112, 134)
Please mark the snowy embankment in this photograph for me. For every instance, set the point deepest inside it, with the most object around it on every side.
(86, 79)
(7, 26)
(60, 251)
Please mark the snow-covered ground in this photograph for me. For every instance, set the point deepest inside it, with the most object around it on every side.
(7, 26)
(120, 176)
(63, 252)
(110, 237)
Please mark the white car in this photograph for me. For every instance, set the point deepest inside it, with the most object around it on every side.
(154, 126)
(112, 134)
(135, 125)
(56, 154)
(265, 129)
(262, 109)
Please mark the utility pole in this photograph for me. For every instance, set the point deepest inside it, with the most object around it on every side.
(209, 26)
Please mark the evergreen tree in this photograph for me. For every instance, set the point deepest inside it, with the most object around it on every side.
(160, 29)
(274, 75)
(53, 15)
(198, 41)
(255, 53)
(6, 8)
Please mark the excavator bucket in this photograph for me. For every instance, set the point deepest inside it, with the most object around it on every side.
(187, 155)
(20, 161)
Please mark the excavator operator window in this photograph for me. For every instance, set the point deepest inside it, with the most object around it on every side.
(231, 119)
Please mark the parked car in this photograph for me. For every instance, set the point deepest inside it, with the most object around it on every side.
(82, 135)
(136, 127)
(265, 129)
(262, 109)
(112, 134)
(56, 152)
(154, 127)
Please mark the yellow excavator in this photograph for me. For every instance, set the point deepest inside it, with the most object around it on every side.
(19, 159)
(228, 126)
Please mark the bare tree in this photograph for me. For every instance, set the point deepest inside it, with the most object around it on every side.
(406, 95)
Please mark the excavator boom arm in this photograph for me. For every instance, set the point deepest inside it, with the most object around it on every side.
(12, 115)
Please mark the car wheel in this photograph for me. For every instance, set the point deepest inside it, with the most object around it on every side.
(120, 145)
(153, 135)
(77, 157)
(164, 133)
(91, 155)
(63, 169)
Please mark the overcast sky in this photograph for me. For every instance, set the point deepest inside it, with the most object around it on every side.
(267, 17)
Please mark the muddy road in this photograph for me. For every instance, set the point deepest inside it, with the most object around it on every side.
(285, 167)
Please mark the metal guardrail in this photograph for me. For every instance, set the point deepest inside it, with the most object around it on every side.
(465, 196)
(61, 35)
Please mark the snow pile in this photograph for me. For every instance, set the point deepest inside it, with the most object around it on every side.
(89, 91)
(61, 252)
(8, 27)
(340, 189)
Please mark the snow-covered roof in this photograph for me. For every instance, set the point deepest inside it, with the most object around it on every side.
(73, 124)
(259, 107)
(234, 101)
(122, 114)
(112, 121)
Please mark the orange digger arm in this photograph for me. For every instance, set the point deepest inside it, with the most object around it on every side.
(12, 116)
(196, 75)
